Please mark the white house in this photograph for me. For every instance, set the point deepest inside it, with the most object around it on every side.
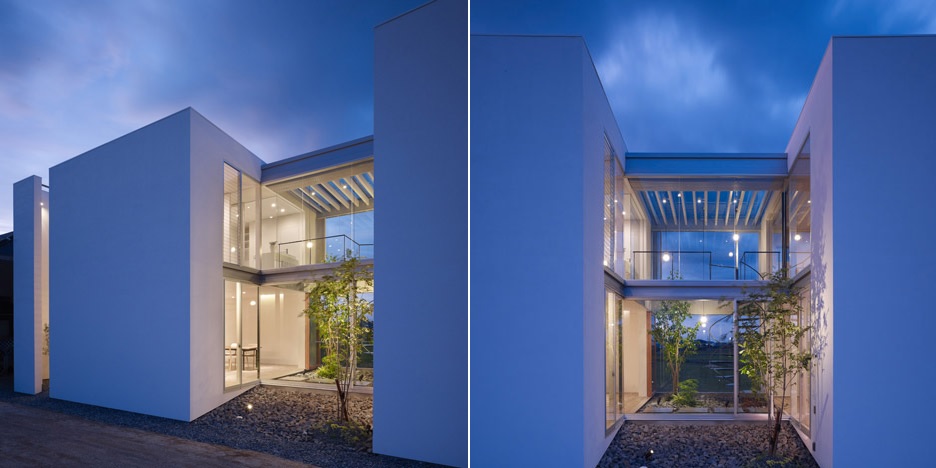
(575, 240)
(169, 263)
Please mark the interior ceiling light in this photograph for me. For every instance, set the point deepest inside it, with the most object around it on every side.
(253, 303)
(699, 201)
(233, 249)
(664, 200)
(282, 210)
(734, 201)
(797, 237)
(731, 254)
(666, 257)
(735, 237)
(679, 195)
(623, 212)
(309, 244)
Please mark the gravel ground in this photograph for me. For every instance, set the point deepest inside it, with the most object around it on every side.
(289, 424)
(723, 444)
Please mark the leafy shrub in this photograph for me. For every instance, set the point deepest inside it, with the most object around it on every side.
(688, 389)
(329, 367)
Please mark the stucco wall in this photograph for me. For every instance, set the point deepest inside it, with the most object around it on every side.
(119, 264)
(421, 235)
(884, 126)
(210, 148)
(815, 121)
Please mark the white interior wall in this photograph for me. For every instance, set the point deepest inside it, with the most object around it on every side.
(281, 327)
(634, 318)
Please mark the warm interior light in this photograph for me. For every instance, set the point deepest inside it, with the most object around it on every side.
(273, 205)
(271, 217)
(666, 257)
(735, 237)
(233, 249)
(282, 210)
(623, 212)
(309, 245)
(234, 345)
(344, 186)
(809, 201)
(41, 204)
(797, 237)
(253, 303)
(605, 263)
(734, 201)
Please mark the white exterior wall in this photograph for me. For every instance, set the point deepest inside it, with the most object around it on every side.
(884, 126)
(816, 121)
(120, 273)
(210, 149)
(421, 235)
(538, 123)
(30, 283)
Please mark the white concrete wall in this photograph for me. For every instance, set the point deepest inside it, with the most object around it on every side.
(210, 149)
(120, 274)
(421, 163)
(30, 283)
(884, 127)
(815, 121)
(539, 119)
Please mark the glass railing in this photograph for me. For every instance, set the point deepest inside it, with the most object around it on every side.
(701, 265)
(318, 250)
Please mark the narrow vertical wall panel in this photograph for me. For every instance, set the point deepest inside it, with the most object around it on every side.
(30, 292)
(421, 235)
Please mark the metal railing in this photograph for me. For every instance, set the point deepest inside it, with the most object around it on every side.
(320, 250)
(699, 265)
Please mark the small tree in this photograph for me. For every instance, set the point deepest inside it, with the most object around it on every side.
(769, 341)
(677, 339)
(340, 314)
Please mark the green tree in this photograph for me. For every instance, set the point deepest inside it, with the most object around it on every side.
(677, 340)
(770, 343)
(341, 316)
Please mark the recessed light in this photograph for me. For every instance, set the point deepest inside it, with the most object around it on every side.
(734, 201)
(313, 194)
(679, 195)
(273, 205)
(735, 237)
(309, 245)
(282, 210)
(344, 186)
(664, 200)
(271, 217)
(797, 237)
(233, 249)
(253, 303)
(41, 204)
(615, 201)
(624, 212)
(809, 201)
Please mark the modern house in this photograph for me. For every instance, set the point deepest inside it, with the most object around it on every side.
(576, 240)
(170, 263)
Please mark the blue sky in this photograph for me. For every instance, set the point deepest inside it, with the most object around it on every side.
(707, 76)
(291, 76)
(281, 77)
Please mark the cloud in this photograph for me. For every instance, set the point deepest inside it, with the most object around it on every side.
(657, 57)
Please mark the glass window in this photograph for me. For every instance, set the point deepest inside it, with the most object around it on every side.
(320, 217)
(706, 229)
(250, 216)
(231, 217)
(241, 333)
(800, 212)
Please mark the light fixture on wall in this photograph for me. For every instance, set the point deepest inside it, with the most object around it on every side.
(273, 205)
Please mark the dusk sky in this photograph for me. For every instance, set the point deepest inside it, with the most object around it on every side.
(282, 78)
(287, 77)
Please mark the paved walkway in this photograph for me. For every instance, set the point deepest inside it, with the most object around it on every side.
(35, 437)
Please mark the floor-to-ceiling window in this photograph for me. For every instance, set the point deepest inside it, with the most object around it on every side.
(800, 212)
(319, 217)
(627, 376)
(241, 333)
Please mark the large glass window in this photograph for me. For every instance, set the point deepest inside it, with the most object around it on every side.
(627, 377)
(319, 217)
(231, 217)
(800, 212)
(241, 333)
(800, 391)
(707, 229)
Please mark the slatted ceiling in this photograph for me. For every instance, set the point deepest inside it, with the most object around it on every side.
(335, 191)
(727, 209)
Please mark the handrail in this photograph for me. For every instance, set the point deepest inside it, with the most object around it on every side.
(742, 265)
(671, 252)
(355, 249)
(743, 262)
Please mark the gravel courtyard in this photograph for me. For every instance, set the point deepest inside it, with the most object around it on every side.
(703, 444)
